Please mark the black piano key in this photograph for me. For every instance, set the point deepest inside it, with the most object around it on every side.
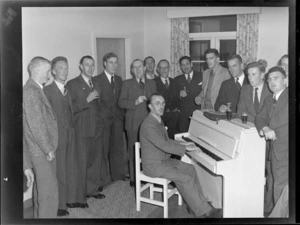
(204, 150)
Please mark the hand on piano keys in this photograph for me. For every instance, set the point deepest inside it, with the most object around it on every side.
(193, 148)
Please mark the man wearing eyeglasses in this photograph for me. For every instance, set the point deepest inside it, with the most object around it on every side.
(272, 123)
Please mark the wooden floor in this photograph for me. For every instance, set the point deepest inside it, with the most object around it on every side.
(120, 203)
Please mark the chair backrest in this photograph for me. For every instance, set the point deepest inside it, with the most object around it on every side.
(137, 157)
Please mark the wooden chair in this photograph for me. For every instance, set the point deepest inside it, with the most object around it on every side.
(150, 181)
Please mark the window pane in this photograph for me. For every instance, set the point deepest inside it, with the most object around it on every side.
(198, 48)
(212, 24)
(227, 47)
(200, 66)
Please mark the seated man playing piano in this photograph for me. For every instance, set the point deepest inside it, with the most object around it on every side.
(156, 149)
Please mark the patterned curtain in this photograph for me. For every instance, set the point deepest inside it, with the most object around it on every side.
(180, 44)
(247, 36)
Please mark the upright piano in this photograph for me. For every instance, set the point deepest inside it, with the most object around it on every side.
(230, 164)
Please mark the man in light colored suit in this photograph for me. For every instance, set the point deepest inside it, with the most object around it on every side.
(134, 94)
(156, 148)
(272, 122)
(41, 138)
(212, 80)
(66, 162)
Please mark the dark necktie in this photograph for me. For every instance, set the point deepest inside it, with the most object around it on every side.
(90, 84)
(189, 78)
(238, 84)
(65, 90)
(166, 83)
(256, 102)
(142, 85)
(274, 100)
(112, 83)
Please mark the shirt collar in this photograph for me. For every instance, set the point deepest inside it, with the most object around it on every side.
(191, 74)
(156, 117)
(108, 75)
(60, 86)
(86, 79)
(278, 94)
(41, 86)
(138, 80)
(150, 76)
(164, 79)
(241, 79)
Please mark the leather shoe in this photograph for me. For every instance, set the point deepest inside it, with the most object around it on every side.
(62, 212)
(214, 213)
(73, 205)
(97, 196)
(132, 183)
(83, 205)
(100, 189)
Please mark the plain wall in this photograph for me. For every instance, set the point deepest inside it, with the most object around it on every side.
(273, 34)
(71, 32)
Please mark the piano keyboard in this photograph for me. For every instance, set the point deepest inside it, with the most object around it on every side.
(204, 150)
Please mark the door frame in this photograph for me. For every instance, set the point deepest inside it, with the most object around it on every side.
(127, 49)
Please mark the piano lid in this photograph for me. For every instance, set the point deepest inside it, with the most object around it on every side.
(215, 134)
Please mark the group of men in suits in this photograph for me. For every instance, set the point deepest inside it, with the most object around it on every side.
(85, 121)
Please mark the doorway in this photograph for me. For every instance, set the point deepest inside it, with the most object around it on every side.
(115, 45)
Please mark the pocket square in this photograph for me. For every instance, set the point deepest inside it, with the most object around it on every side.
(200, 83)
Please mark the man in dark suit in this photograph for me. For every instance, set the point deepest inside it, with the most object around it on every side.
(272, 122)
(66, 162)
(212, 80)
(149, 63)
(134, 94)
(156, 148)
(41, 138)
(230, 89)
(89, 125)
(248, 102)
(187, 86)
(251, 101)
(165, 87)
(110, 85)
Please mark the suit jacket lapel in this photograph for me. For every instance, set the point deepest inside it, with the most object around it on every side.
(264, 93)
(280, 102)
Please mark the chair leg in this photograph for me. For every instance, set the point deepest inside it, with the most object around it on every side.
(165, 200)
(179, 198)
(138, 195)
(152, 191)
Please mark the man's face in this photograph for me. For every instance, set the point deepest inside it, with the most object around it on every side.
(60, 71)
(211, 60)
(44, 72)
(163, 69)
(111, 65)
(235, 67)
(138, 69)
(285, 65)
(277, 82)
(157, 105)
(255, 76)
(186, 66)
(88, 67)
(150, 65)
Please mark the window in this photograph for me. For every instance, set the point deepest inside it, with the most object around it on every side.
(211, 32)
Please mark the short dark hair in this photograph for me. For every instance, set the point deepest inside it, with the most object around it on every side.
(260, 64)
(58, 59)
(183, 58)
(85, 57)
(235, 56)
(108, 56)
(212, 50)
(162, 60)
(151, 97)
(277, 69)
(148, 57)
